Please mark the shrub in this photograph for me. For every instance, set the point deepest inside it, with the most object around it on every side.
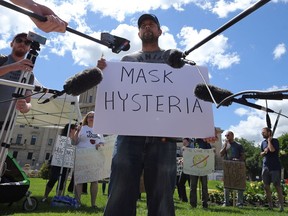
(44, 171)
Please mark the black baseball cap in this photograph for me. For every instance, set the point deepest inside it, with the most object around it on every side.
(150, 17)
(23, 34)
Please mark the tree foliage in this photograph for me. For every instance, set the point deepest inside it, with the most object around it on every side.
(283, 141)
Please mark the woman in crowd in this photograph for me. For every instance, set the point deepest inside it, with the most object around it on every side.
(55, 171)
(86, 138)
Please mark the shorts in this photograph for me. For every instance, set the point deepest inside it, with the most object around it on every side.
(272, 176)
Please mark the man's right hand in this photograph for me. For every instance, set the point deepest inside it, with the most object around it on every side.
(101, 64)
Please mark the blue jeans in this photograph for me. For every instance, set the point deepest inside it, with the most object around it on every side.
(157, 157)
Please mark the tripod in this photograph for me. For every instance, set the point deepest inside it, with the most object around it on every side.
(10, 119)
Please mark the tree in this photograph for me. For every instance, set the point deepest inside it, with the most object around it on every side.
(283, 142)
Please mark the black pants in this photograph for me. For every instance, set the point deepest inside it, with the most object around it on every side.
(71, 185)
(182, 188)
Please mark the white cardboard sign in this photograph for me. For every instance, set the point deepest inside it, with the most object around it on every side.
(149, 99)
(198, 162)
(64, 152)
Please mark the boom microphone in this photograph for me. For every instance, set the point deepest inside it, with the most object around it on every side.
(219, 95)
(79, 83)
(83, 81)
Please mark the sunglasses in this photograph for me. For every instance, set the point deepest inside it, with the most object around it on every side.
(90, 116)
(20, 40)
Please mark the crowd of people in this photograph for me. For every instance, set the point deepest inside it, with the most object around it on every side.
(152, 157)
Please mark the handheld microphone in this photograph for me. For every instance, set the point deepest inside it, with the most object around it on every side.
(173, 57)
(83, 81)
(219, 95)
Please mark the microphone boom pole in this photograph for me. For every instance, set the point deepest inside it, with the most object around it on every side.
(43, 19)
(256, 94)
(27, 86)
(228, 24)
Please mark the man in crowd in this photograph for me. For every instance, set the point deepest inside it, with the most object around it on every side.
(234, 151)
(156, 156)
(271, 168)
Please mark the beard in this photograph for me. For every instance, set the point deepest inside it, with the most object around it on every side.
(19, 53)
(149, 37)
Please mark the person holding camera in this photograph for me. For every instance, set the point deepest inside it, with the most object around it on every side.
(11, 68)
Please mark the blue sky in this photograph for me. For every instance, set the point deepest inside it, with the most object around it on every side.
(250, 55)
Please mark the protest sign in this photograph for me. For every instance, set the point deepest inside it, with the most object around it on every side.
(198, 162)
(152, 100)
(93, 165)
(234, 174)
(63, 153)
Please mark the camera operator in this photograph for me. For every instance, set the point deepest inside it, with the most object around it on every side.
(11, 67)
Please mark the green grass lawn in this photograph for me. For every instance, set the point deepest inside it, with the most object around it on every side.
(37, 187)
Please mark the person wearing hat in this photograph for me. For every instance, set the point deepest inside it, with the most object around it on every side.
(156, 156)
(11, 68)
(53, 23)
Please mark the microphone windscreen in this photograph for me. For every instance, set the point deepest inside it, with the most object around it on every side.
(173, 58)
(219, 94)
(83, 81)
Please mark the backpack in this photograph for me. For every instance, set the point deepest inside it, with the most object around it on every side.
(64, 201)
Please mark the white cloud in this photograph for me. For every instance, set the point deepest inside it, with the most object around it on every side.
(222, 8)
(279, 51)
(215, 52)
(242, 111)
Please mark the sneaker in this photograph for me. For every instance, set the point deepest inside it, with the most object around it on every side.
(44, 199)
(239, 205)
(205, 206)
(95, 207)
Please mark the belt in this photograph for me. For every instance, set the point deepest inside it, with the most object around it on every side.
(162, 139)
(149, 138)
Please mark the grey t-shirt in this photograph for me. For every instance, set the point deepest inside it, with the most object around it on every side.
(149, 57)
(7, 91)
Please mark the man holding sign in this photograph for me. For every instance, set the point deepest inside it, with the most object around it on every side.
(234, 168)
(156, 156)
